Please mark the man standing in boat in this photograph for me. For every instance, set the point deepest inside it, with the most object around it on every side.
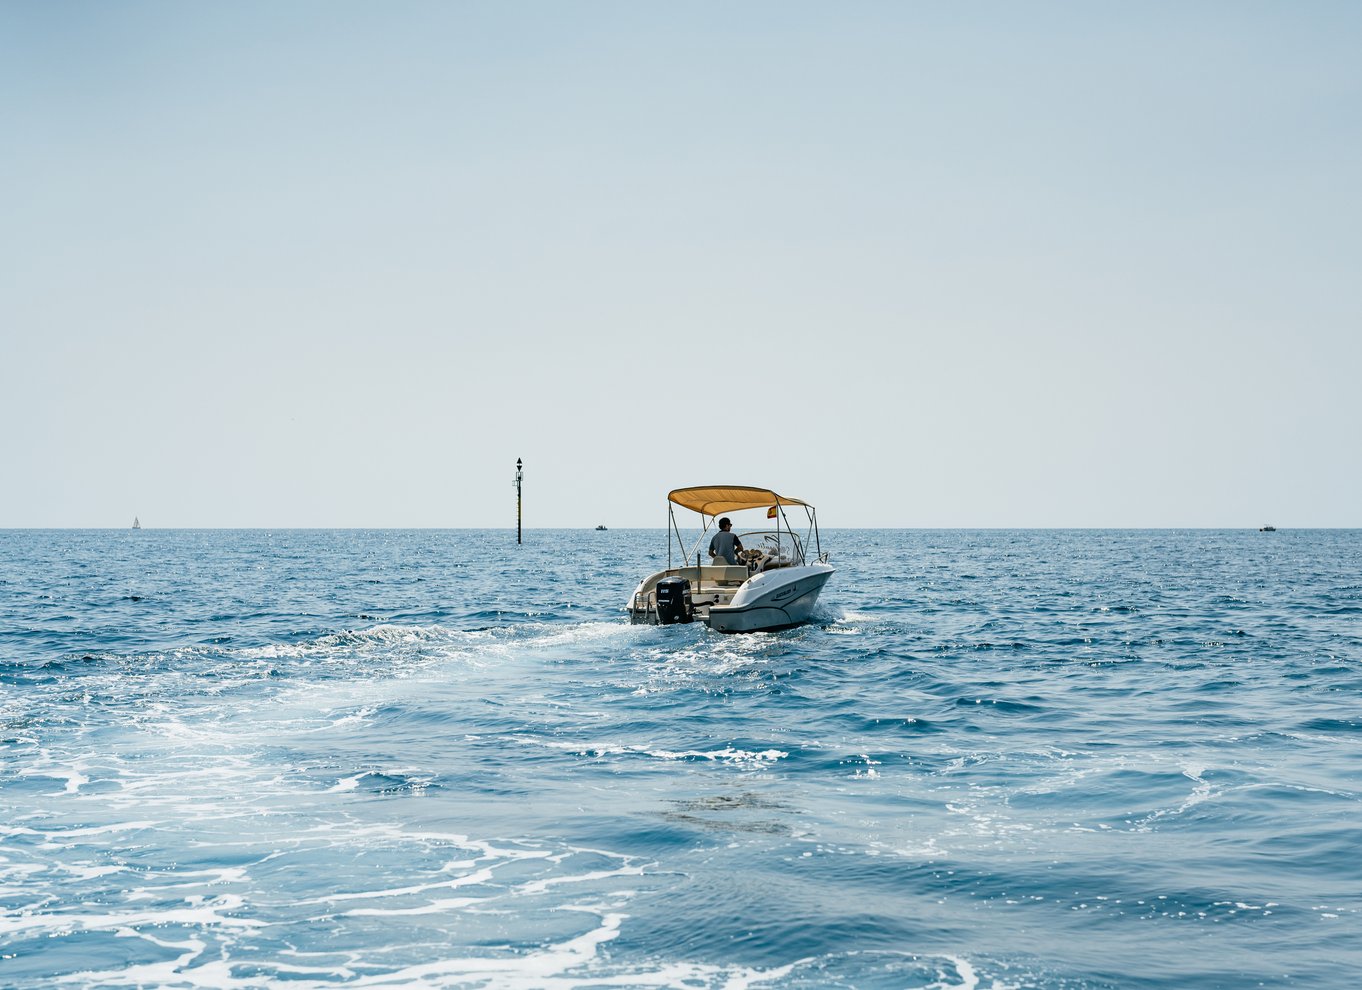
(725, 545)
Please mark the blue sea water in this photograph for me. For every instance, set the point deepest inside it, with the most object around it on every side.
(998, 759)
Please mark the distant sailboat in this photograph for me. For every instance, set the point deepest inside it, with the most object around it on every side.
(135, 523)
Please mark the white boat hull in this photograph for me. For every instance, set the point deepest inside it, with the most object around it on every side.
(775, 599)
(772, 600)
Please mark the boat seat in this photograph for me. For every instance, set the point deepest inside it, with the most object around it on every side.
(725, 573)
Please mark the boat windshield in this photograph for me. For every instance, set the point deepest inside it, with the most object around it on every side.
(773, 546)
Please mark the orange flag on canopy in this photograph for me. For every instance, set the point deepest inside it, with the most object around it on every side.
(771, 512)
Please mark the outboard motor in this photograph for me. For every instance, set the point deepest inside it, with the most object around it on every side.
(673, 601)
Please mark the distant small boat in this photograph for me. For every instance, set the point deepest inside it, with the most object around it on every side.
(601, 526)
(1267, 529)
(135, 523)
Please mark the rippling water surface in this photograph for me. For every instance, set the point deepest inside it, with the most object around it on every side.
(436, 759)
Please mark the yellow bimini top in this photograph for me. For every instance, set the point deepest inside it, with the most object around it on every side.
(714, 500)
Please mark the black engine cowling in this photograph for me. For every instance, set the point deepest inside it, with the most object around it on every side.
(673, 601)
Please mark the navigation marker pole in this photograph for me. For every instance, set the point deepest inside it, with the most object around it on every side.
(519, 471)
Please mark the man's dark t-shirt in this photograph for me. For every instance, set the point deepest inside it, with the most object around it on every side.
(723, 545)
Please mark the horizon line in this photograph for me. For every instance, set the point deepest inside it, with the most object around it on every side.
(662, 529)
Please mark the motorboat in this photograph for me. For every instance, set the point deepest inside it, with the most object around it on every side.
(774, 585)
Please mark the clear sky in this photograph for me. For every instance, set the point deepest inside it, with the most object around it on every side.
(921, 264)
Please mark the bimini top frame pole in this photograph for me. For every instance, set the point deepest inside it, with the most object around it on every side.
(672, 527)
(812, 513)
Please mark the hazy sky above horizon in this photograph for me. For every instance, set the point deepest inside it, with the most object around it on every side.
(336, 264)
